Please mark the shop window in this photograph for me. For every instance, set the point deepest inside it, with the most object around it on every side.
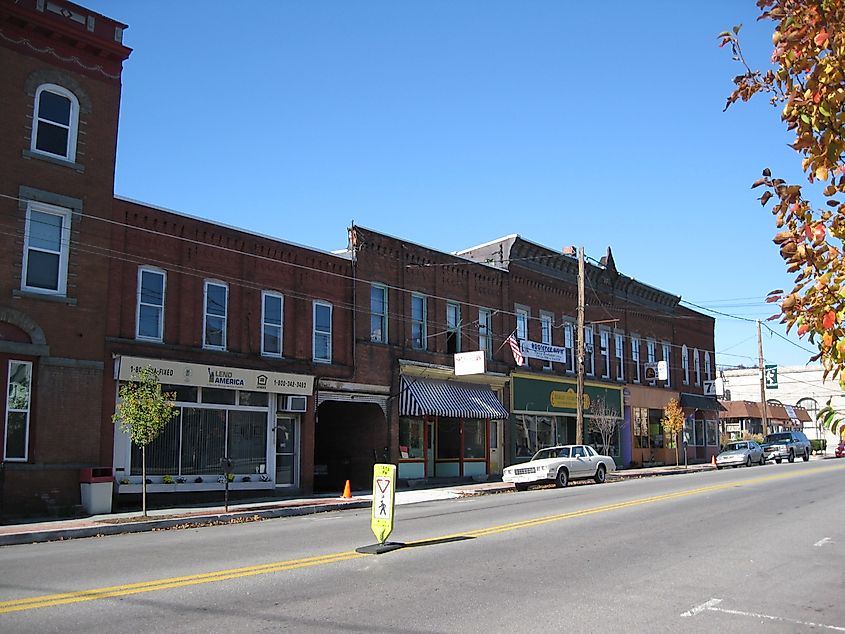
(532, 434)
(216, 315)
(45, 251)
(18, 402)
(218, 396)
(699, 433)
(448, 438)
(55, 122)
(411, 438)
(322, 332)
(419, 334)
(453, 328)
(655, 428)
(378, 313)
(475, 439)
(712, 433)
(253, 399)
(485, 332)
(640, 427)
(272, 309)
(150, 313)
(182, 393)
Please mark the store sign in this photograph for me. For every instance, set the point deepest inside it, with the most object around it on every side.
(559, 395)
(544, 351)
(771, 375)
(473, 362)
(196, 374)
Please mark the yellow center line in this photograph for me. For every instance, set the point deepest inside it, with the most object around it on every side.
(51, 600)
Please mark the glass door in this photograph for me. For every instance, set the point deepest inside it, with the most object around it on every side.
(287, 450)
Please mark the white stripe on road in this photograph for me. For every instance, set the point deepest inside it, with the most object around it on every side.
(712, 604)
(822, 542)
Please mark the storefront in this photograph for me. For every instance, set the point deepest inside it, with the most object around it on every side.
(449, 428)
(645, 411)
(544, 414)
(701, 426)
(241, 424)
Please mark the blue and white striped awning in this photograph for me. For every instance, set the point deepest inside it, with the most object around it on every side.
(426, 397)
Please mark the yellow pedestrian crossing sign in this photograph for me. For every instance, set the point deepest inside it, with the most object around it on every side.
(384, 481)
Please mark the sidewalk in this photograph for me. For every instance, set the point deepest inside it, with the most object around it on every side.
(161, 519)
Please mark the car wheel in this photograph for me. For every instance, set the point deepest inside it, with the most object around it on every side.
(806, 455)
(519, 486)
(748, 461)
(718, 467)
(562, 479)
(762, 460)
(601, 475)
(778, 460)
(791, 456)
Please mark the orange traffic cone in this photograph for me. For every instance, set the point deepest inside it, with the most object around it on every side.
(347, 491)
(713, 459)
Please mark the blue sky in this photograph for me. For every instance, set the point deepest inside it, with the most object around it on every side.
(454, 123)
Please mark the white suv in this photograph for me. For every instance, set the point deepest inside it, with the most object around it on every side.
(786, 444)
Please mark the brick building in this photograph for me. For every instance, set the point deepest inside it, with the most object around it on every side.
(293, 369)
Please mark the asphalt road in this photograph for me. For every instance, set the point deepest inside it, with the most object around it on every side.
(740, 550)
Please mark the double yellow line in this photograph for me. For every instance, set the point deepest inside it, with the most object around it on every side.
(52, 600)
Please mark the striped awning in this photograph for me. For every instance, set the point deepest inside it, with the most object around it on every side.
(426, 397)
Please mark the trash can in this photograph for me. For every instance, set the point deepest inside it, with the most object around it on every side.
(95, 485)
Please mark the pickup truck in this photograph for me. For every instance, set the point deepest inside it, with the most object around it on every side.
(786, 444)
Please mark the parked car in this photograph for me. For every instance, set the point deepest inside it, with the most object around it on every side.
(740, 452)
(786, 444)
(840, 449)
(560, 465)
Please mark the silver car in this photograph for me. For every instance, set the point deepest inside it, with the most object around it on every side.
(740, 452)
(560, 465)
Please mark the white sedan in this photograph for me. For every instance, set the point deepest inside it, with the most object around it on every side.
(560, 465)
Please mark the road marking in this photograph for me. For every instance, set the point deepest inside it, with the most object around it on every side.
(52, 600)
(711, 606)
(822, 542)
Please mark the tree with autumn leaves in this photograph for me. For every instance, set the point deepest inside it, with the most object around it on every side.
(807, 83)
(673, 424)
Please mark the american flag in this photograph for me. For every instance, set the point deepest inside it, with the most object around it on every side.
(517, 353)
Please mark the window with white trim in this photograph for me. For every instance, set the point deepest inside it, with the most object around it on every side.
(619, 347)
(485, 330)
(216, 302)
(708, 376)
(322, 332)
(522, 315)
(667, 357)
(55, 121)
(696, 366)
(569, 346)
(18, 401)
(685, 364)
(453, 327)
(546, 321)
(589, 357)
(272, 312)
(45, 249)
(378, 313)
(419, 329)
(149, 317)
(604, 353)
(635, 358)
(651, 355)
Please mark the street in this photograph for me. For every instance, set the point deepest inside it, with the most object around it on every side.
(740, 550)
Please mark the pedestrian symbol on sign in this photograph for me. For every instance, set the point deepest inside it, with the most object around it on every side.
(771, 374)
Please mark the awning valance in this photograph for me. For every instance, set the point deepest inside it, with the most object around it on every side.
(698, 401)
(425, 397)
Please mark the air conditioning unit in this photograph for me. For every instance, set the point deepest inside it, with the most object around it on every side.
(292, 403)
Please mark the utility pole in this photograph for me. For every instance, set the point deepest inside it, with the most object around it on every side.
(579, 406)
(762, 382)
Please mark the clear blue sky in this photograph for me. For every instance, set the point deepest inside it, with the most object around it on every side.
(451, 123)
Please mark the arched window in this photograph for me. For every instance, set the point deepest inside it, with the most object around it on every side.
(55, 121)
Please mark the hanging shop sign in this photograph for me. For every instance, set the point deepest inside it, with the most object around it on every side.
(544, 351)
(199, 375)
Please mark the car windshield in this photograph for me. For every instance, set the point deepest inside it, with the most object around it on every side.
(736, 446)
(778, 438)
(551, 452)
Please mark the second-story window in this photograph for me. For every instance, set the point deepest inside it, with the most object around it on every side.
(569, 346)
(707, 370)
(272, 310)
(485, 330)
(651, 355)
(45, 249)
(604, 352)
(522, 315)
(667, 357)
(322, 332)
(55, 121)
(635, 358)
(685, 364)
(696, 366)
(546, 321)
(216, 315)
(419, 330)
(619, 342)
(150, 313)
(378, 313)
(589, 357)
(453, 328)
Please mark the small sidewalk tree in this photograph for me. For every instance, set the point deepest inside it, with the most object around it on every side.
(142, 412)
(604, 421)
(673, 423)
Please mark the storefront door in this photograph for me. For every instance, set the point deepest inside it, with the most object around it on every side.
(429, 453)
(287, 455)
(495, 451)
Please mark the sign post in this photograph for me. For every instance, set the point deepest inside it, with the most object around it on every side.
(384, 481)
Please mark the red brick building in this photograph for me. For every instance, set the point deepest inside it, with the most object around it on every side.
(293, 369)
